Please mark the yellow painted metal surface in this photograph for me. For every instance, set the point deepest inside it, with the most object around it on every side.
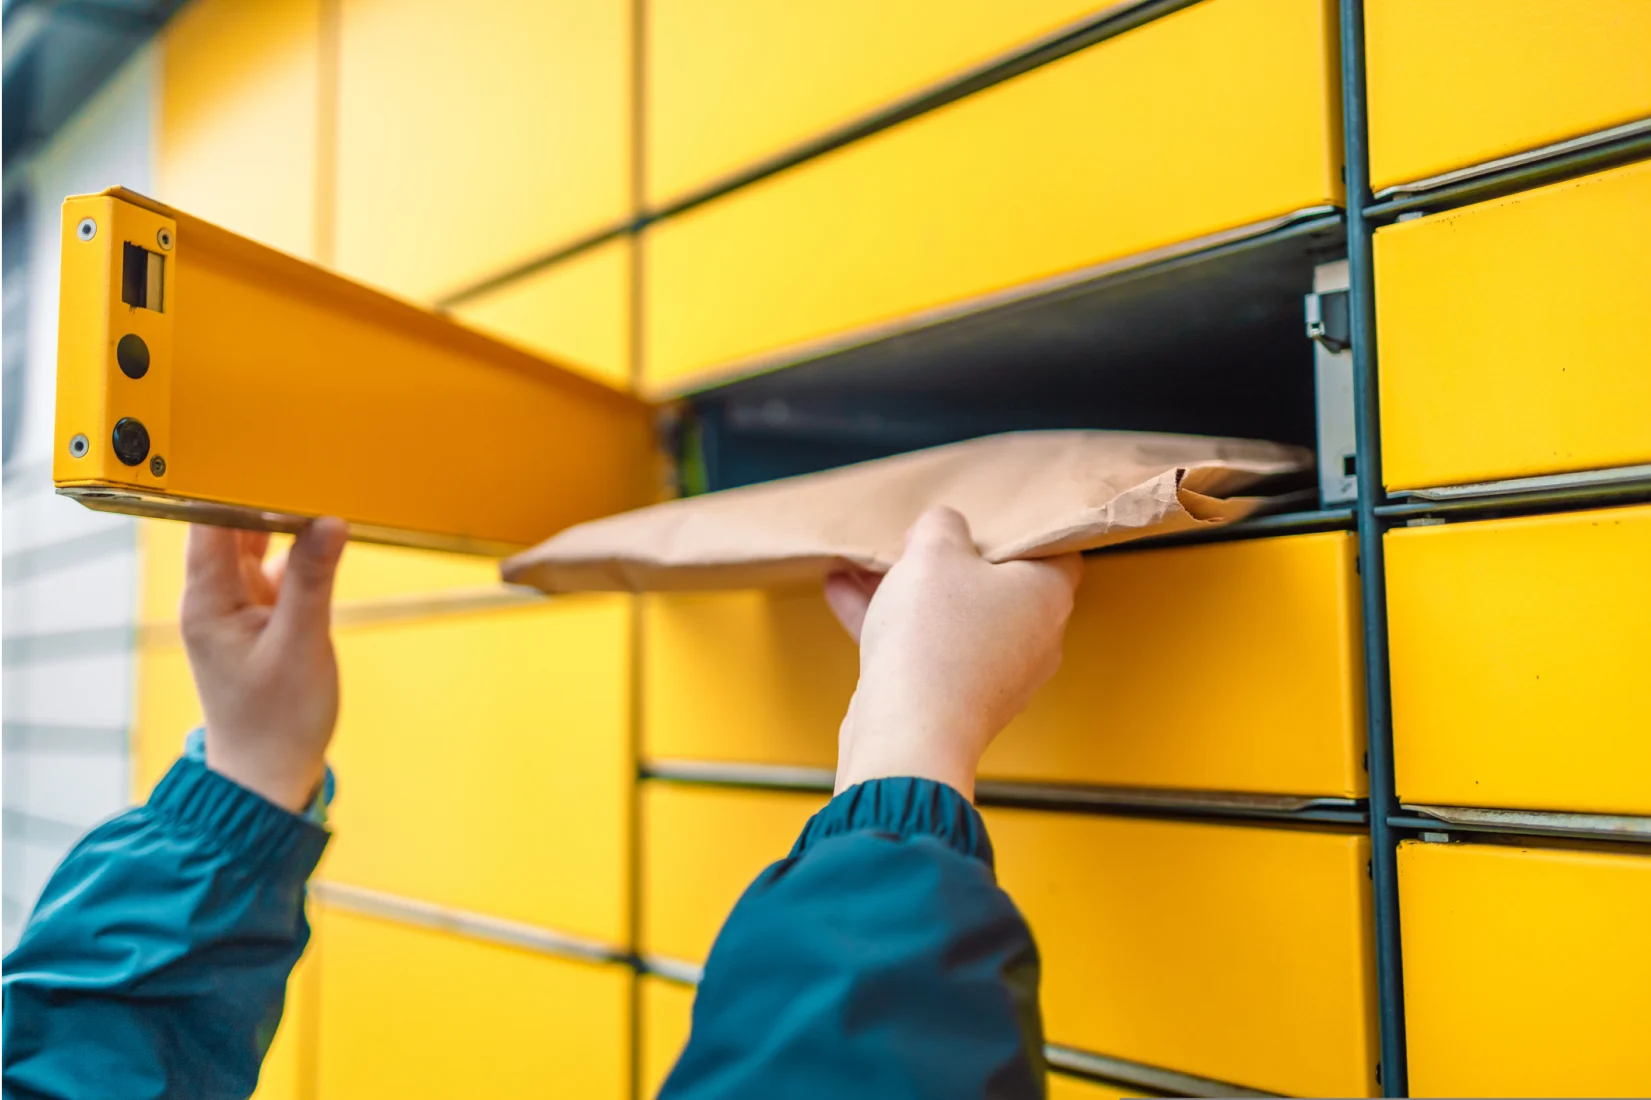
(1518, 650)
(701, 847)
(576, 312)
(754, 676)
(1241, 954)
(1506, 334)
(1458, 84)
(1171, 675)
(667, 1012)
(470, 142)
(407, 1012)
(732, 81)
(288, 1072)
(486, 760)
(1169, 678)
(1527, 971)
(1025, 180)
(238, 127)
(164, 711)
(275, 387)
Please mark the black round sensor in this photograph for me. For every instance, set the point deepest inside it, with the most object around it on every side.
(131, 441)
(133, 356)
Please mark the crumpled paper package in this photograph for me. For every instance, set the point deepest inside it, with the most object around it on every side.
(1025, 495)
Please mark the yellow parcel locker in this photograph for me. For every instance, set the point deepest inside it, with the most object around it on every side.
(1518, 661)
(1229, 667)
(1221, 115)
(484, 763)
(238, 123)
(1237, 953)
(166, 709)
(760, 676)
(731, 82)
(410, 1013)
(1458, 84)
(701, 847)
(667, 1013)
(1527, 971)
(473, 140)
(1507, 334)
(576, 312)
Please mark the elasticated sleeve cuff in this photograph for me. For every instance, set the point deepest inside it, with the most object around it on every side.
(903, 807)
(202, 802)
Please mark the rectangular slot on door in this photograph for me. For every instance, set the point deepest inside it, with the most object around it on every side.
(140, 277)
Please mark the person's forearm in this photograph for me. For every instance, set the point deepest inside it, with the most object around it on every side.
(156, 961)
(879, 958)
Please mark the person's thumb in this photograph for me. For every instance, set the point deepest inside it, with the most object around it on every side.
(305, 600)
(940, 528)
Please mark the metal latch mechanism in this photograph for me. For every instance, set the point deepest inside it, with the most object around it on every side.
(1327, 320)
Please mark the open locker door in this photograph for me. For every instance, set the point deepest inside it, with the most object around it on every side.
(203, 376)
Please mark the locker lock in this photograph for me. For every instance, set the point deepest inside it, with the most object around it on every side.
(131, 441)
(1327, 320)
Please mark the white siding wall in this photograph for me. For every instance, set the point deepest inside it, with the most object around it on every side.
(70, 574)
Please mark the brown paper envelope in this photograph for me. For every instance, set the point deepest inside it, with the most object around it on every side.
(1025, 495)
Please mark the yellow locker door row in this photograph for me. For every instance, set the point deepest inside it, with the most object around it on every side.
(1233, 953)
(1171, 678)
(475, 778)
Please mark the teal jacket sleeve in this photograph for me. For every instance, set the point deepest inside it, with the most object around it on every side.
(156, 960)
(879, 959)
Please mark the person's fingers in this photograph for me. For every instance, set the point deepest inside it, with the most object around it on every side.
(254, 545)
(1069, 567)
(274, 571)
(213, 582)
(304, 603)
(940, 528)
(848, 593)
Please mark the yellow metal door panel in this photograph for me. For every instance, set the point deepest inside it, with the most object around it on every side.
(701, 847)
(577, 312)
(1171, 675)
(1506, 334)
(484, 763)
(1527, 971)
(1229, 667)
(1229, 121)
(165, 710)
(1458, 84)
(269, 390)
(667, 1012)
(1237, 953)
(412, 1013)
(472, 141)
(756, 677)
(733, 81)
(1517, 647)
(288, 1072)
(238, 135)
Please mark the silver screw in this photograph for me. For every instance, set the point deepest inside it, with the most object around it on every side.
(164, 239)
(157, 466)
(79, 445)
(87, 230)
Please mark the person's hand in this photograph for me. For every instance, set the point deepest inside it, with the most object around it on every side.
(259, 644)
(951, 649)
